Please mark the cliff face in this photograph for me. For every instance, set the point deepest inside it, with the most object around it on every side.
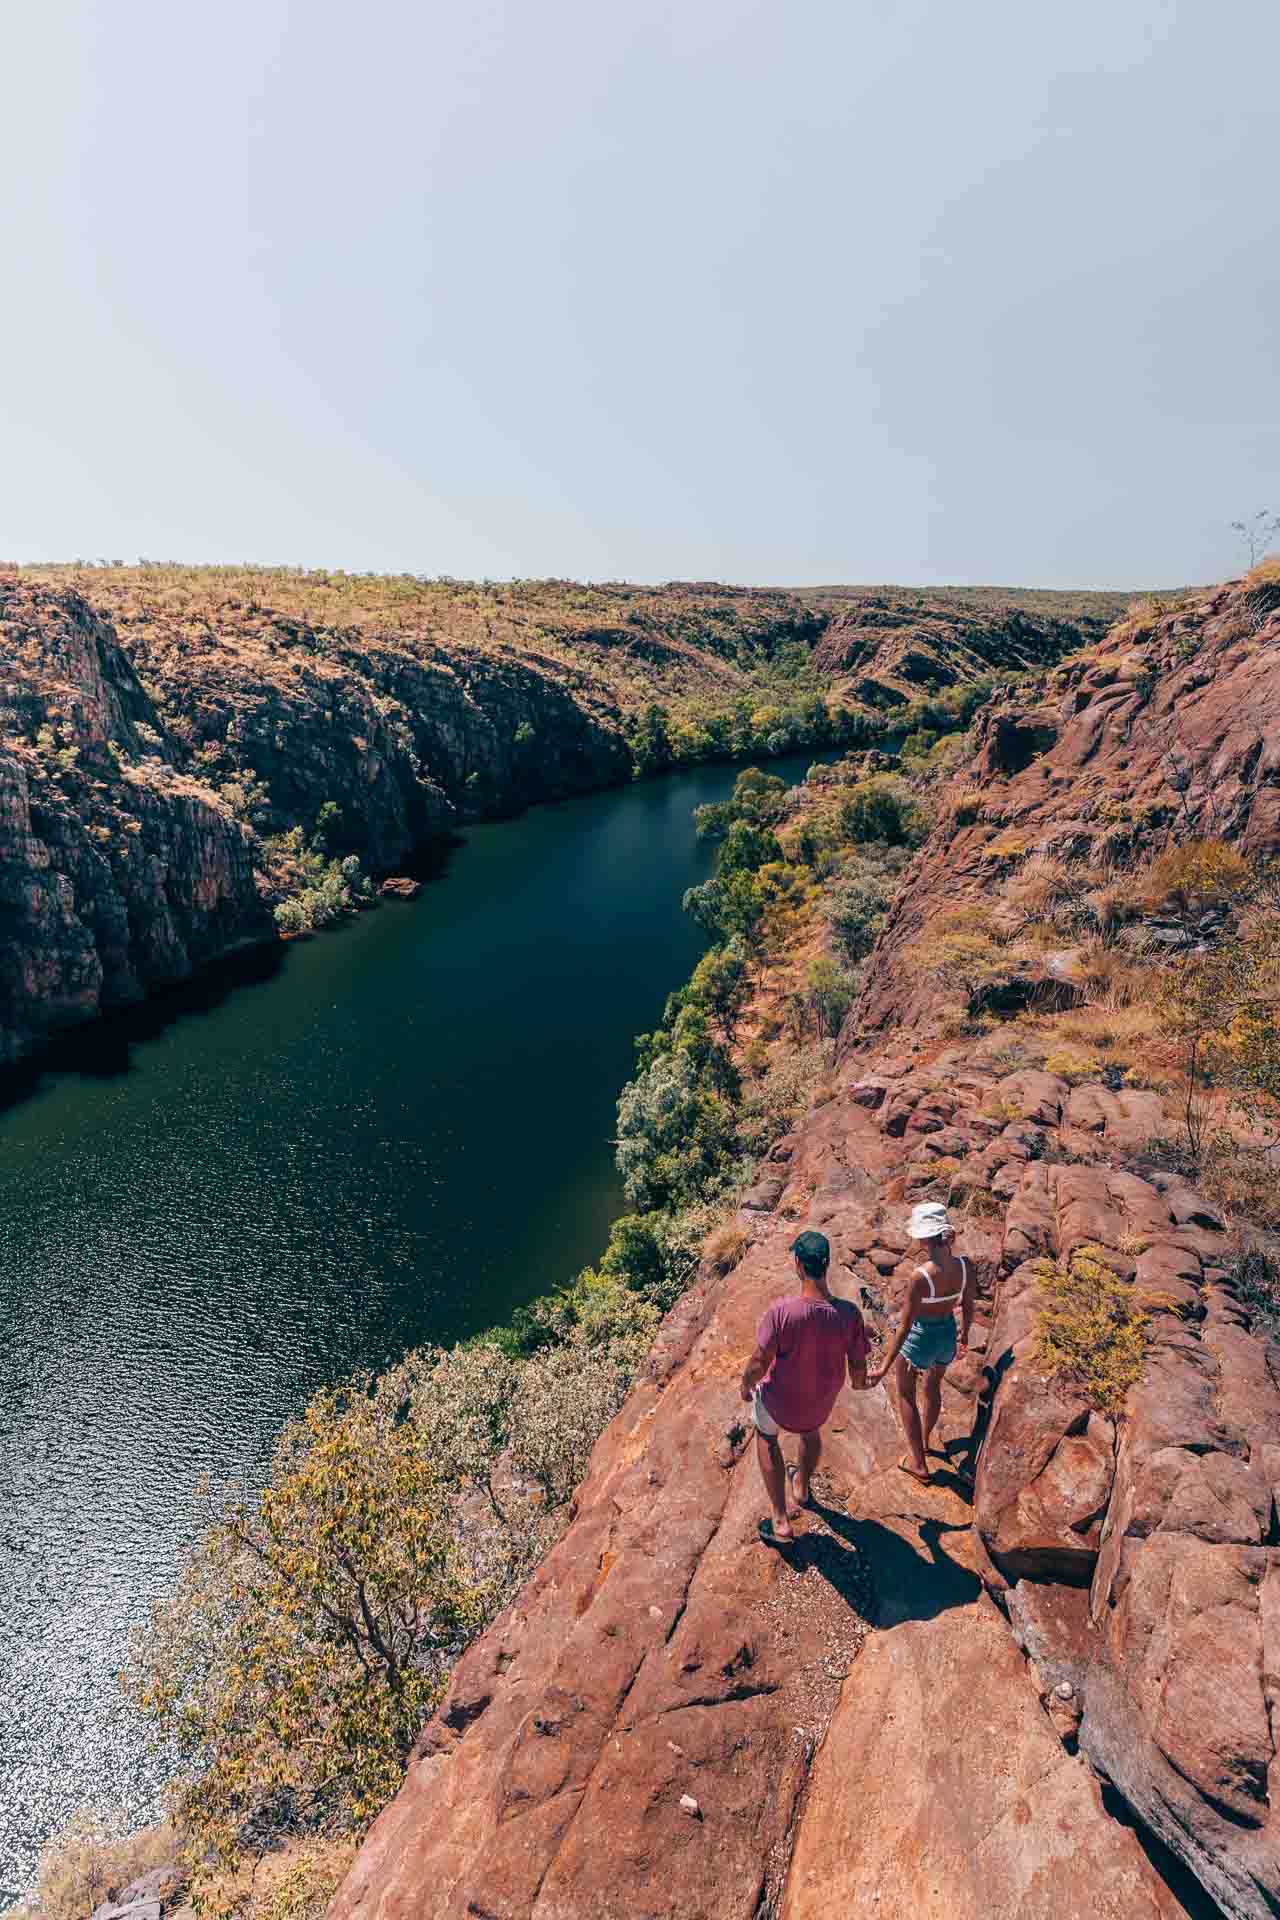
(118, 873)
(400, 739)
(1045, 1691)
(1171, 724)
(888, 648)
(160, 725)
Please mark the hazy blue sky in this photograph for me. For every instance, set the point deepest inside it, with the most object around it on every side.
(765, 290)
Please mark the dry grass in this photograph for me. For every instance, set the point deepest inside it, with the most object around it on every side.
(1105, 1029)
(1242, 1179)
(1040, 884)
(723, 1248)
(1111, 978)
(965, 806)
(90, 1861)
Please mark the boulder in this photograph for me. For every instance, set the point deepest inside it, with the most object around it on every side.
(1127, 1119)
(869, 1093)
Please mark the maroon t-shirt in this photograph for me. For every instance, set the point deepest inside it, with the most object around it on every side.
(815, 1340)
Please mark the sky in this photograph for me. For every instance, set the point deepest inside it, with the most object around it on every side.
(785, 291)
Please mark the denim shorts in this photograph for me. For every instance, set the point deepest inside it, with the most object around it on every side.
(931, 1343)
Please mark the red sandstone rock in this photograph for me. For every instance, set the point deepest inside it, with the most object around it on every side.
(868, 1093)
(660, 1653)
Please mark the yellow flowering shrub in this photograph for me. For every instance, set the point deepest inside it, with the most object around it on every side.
(1091, 1327)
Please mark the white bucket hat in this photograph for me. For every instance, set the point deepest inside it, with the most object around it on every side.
(929, 1220)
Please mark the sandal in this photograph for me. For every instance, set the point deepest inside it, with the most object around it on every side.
(771, 1539)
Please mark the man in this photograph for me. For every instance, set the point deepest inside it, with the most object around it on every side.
(805, 1343)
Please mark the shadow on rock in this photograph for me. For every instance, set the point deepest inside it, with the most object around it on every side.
(907, 1584)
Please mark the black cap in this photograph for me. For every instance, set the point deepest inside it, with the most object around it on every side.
(813, 1251)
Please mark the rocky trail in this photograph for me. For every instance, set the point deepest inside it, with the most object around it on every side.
(857, 1721)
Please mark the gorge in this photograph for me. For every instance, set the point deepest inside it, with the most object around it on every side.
(1100, 1600)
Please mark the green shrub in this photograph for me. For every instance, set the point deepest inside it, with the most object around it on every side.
(881, 809)
(854, 910)
(1091, 1328)
(291, 916)
(1073, 1066)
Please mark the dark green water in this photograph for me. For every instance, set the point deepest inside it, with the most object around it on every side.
(396, 1138)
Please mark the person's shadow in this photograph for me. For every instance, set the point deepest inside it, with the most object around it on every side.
(882, 1575)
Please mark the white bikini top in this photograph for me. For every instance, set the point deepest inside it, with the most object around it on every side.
(945, 1299)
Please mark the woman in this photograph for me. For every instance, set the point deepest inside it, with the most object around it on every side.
(926, 1342)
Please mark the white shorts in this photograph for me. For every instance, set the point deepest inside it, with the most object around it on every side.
(762, 1419)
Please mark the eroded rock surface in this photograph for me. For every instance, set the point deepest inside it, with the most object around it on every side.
(660, 1651)
(1171, 724)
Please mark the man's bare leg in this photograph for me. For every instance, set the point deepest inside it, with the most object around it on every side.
(913, 1461)
(774, 1474)
(932, 1405)
(802, 1480)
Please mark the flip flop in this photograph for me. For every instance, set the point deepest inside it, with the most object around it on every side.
(770, 1538)
(923, 1478)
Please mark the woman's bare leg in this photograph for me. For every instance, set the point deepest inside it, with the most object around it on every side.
(914, 1461)
(932, 1405)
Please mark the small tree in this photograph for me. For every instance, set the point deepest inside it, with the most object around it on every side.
(1257, 532)
(328, 832)
(1198, 875)
(1224, 1008)
(855, 910)
(1193, 1005)
(311, 1631)
(881, 809)
(828, 994)
(675, 1135)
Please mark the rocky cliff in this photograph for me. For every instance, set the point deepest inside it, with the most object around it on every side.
(889, 647)
(118, 872)
(161, 726)
(1044, 1686)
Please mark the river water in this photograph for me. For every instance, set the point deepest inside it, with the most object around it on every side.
(397, 1137)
